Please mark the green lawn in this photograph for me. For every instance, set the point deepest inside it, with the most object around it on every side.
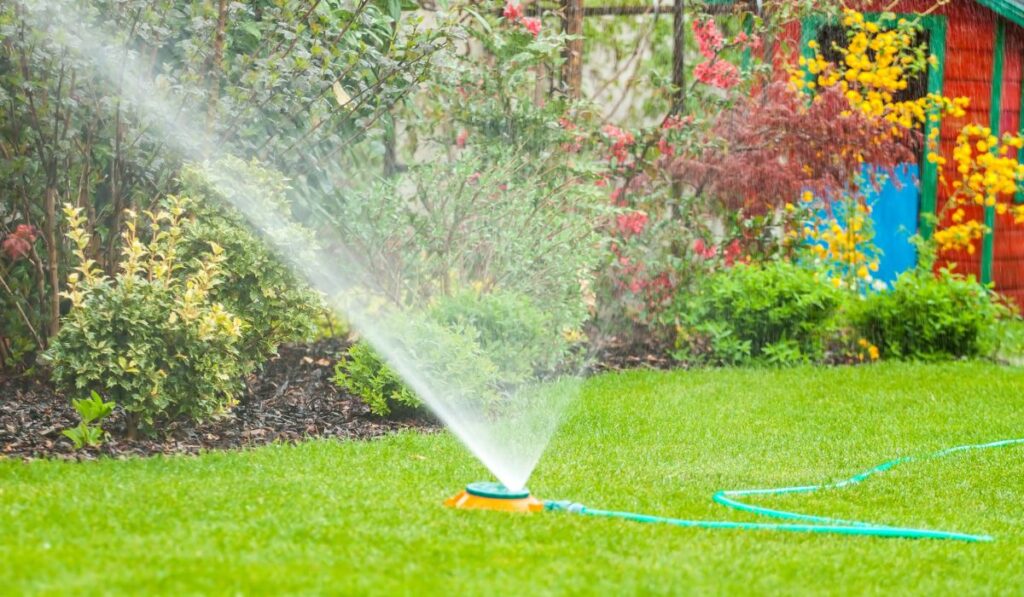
(366, 517)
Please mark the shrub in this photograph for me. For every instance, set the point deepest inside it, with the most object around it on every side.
(363, 373)
(274, 304)
(89, 431)
(442, 227)
(151, 338)
(778, 311)
(444, 358)
(926, 316)
(521, 339)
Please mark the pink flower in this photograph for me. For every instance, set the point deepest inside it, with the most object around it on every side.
(702, 249)
(473, 178)
(709, 38)
(718, 73)
(616, 196)
(673, 122)
(732, 252)
(750, 41)
(621, 141)
(18, 244)
(532, 25)
(630, 224)
(665, 148)
(460, 140)
(513, 11)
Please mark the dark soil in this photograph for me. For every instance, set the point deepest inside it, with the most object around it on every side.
(292, 399)
(618, 354)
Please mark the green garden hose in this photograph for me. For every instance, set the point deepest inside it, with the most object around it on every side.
(808, 523)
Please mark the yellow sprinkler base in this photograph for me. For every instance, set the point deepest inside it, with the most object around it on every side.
(494, 496)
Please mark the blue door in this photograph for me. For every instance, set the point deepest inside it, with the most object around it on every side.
(894, 213)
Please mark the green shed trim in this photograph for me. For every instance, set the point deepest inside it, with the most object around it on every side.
(994, 121)
(1011, 10)
(936, 26)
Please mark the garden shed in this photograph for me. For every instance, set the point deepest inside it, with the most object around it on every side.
(979, 47)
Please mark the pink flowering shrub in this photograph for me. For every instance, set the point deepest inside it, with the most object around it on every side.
(513, 13)
(18, 244)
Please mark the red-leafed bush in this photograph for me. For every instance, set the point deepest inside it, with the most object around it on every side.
(775, 146)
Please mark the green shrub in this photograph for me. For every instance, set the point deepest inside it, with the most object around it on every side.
(446, 359)
(272, 302)
(151, 338)
(776, 311)
(518, 337)
(363, 373)
(443, 226)
(89, 431)
(927, 316)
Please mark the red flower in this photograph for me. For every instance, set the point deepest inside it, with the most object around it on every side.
(18, 244)
(513, 11)
(532, 25)
(709, 38)
(673, 122)
(621, 142)
(701, 248)
(460, 140)
(750, 41)
(473, 178)
(732, 252)
(665, 148)
(630, 224)
(718, 73)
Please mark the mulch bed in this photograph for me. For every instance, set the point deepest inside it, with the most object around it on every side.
(292, 399)
(618, 355)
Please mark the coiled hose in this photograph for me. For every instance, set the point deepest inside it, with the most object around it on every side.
(805, 523)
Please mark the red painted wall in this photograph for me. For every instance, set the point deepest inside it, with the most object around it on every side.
(1008, 261)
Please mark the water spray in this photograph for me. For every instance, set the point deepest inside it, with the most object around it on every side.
(493, 496)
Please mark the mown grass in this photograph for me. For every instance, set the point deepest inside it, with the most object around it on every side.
(366, 517)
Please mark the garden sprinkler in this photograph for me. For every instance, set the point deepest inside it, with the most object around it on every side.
(488, 495)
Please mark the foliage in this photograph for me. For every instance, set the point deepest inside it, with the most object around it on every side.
(151, 337)
(298, 84)
(842, 245)
(363, 373)
(497, 103)
(778, 311)
(441, 357)
(521, 339)
(926, 316)
(90, 410)
(272, 302)
(447, 226)
(786, 146)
